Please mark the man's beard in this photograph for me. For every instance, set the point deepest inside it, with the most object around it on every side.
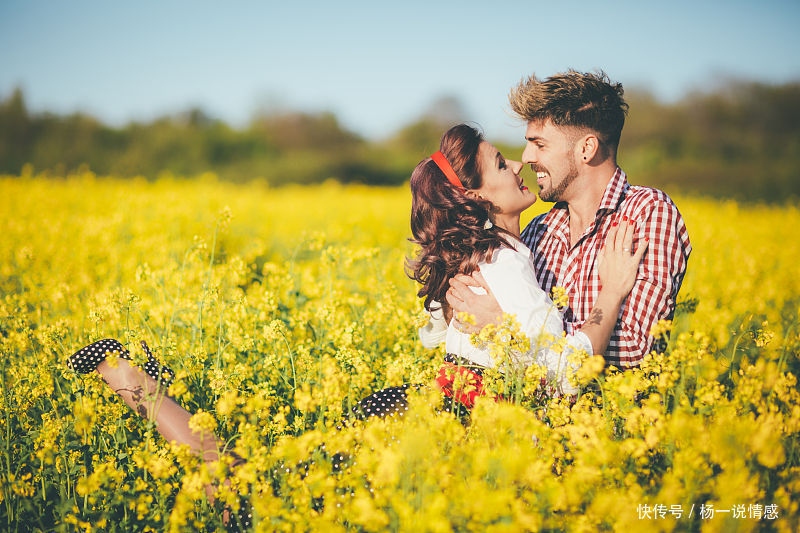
(556, 193)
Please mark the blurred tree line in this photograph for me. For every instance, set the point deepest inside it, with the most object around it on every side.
(740, 140)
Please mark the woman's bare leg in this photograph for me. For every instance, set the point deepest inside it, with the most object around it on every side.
(144, 395)
(149, 399)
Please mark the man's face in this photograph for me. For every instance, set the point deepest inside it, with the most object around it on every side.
(551, 154)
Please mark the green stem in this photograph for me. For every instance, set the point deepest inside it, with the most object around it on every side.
(177, 296)
(219, 335)
(291, 360)
(209, 273)
(736, 344)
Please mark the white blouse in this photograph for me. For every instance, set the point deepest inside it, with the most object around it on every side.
(511, 277)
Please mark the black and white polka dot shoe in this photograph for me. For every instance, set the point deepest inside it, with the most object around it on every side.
(87, 358)
(161, 373)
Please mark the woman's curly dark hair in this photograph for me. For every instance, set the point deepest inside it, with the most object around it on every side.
(446, 223)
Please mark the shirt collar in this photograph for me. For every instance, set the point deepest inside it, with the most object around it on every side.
(557, 220)
(615, 192)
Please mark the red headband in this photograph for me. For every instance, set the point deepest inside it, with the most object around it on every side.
(444, 165)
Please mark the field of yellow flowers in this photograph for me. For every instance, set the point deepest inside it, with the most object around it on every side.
(281, 308)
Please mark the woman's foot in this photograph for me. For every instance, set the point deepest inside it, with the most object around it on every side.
(89, 357)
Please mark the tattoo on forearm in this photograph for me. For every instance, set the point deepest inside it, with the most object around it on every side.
(596, 317)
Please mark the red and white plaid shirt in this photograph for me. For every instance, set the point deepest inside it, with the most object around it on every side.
(660, 274)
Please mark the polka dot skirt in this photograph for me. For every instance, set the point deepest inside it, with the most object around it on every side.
(389, 402)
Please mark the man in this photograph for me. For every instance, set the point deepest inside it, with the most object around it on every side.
(574, 121)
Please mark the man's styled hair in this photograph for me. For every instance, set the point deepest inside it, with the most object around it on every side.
(574, 99)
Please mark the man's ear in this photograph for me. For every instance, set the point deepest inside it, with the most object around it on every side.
(588, 147)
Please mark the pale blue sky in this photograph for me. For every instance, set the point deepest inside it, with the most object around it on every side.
(376, 65)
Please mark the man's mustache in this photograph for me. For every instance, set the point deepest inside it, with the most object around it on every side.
(538, 168)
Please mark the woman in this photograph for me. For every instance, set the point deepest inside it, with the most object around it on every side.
(467, 201)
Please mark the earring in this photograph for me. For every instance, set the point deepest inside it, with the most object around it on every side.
(488, 224)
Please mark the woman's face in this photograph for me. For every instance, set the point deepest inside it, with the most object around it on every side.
(502, 184)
